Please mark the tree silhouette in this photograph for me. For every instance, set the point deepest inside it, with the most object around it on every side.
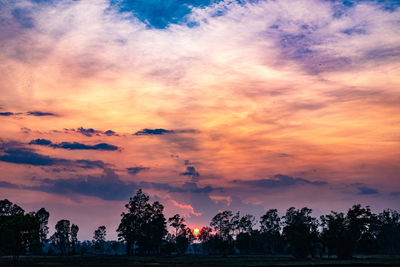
(205, 235)
(182, 236)
(43, 216)
(74, 237)
(154, 231)
(334, 234)
(270, 228)
(246, 223)
(7, 208)
(357, 226)
(99, 238)
(387, 231)
(18, 231)
(60, 239)
(298, 229)
(143, 224)
(177, 222)
(223, 226)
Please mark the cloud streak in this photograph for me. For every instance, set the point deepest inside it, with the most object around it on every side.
(14, 152)
(74, 145)
(279, 181)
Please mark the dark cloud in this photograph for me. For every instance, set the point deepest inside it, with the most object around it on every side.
(279, 180)
(4, 184)
(7, 113)
(14, 152)
(74, 145)
(395, 193)
(153, 132)
(90, 132)
(29, 157)
(40, 113)
(136, 170)
(363, 190)
(107, 186)
(110, 133)
(79, 146)
(41, 142)
(191, 171)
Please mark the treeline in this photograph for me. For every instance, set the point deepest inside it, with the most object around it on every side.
(143, 230)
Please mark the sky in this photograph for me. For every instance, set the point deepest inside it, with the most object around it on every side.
(205, 105)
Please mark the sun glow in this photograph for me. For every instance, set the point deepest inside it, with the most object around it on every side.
(196, 231)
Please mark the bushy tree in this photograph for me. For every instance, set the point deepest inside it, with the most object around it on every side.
(299, 228)
(143, 224)
(61, 238)
(7, 208)
(18, 231)
(223, 224)
(387, 231)
(183, 235)
(270, 229)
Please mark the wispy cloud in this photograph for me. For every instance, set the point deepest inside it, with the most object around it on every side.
(363, 190)
(137, 169)
(279, 181)
(40, 113)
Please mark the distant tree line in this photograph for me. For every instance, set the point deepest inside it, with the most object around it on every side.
(143, 230)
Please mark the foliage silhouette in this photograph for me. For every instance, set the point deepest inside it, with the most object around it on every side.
(143, 230)
(143, 225)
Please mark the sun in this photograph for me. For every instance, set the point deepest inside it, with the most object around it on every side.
(196, 231)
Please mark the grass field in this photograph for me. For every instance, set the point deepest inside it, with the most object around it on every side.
(198, 261)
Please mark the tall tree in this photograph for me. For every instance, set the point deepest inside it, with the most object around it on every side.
(74, 237)
(334, 233)
(18, 231)
(61, 238)
(143, 224)
(270, 222)
(43, 216)
(270, 230)
(345, 234)
(132, 222)
(99, 238)
(180, 239)
(298, 231)
(222, 224)
(178, 223)
(387, 229)
(155, 229)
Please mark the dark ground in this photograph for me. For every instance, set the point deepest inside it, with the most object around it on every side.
(194, 261)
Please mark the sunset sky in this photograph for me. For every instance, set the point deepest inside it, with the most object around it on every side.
(205, 105)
